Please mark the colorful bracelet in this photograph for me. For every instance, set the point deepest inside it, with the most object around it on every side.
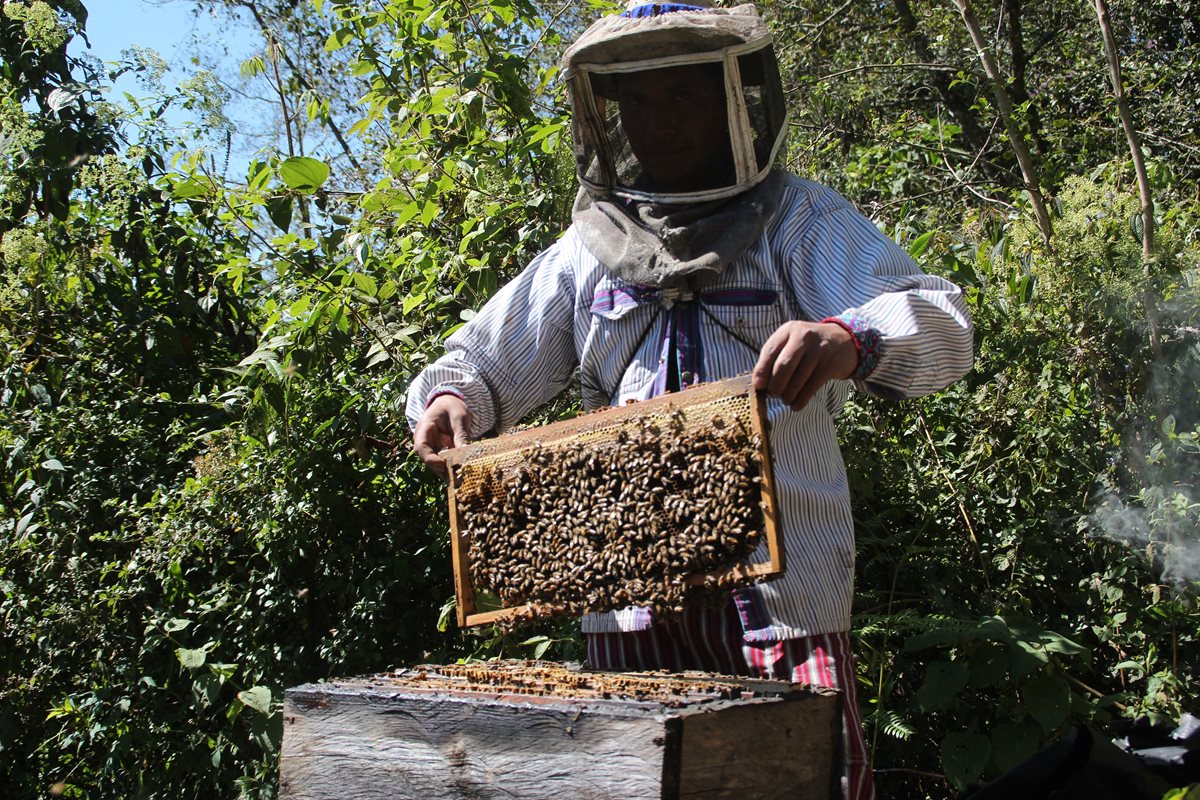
(867, 341)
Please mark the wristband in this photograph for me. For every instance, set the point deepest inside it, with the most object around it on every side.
(867, 341)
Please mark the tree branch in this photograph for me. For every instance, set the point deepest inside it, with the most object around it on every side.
(1005, 108)
(252, 7)
(1135, 147)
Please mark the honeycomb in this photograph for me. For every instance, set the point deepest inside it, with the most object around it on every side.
(647, 505)
(548, 679)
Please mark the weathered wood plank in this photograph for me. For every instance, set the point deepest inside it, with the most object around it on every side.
(354, 744)
(388, 738)
(777, 563)
(775, 751)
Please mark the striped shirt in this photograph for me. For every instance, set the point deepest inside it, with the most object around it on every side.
(817, 258)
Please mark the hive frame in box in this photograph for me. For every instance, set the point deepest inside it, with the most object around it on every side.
(702, 394)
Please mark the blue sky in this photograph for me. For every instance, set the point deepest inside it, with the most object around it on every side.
(163, 25)
(173, 29)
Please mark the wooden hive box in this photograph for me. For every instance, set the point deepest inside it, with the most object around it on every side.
(439, 733)
(625, 506)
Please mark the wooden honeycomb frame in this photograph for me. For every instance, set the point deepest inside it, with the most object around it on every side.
(599, 427)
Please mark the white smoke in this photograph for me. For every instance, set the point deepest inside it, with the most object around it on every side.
(1157, 510)
(1164, 528)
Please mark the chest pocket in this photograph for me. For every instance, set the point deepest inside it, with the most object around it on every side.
(617, 358)
(735, 323)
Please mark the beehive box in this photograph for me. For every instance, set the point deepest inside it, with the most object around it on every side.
(646, 504)
(537, 731)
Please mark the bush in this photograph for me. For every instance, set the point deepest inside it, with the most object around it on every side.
(993, 612)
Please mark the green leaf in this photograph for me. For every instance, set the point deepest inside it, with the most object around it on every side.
(303, 173)
(1026, 657)
(964, 756)
(65, 95)
(411, 302)
(365, 284)
(337, 40)
(206, 688)
(407, 212)
(1056, 643)
(258, 698)
(1012, 743)
(993, 629)
(943, 680)
(988, 666)
(255, 65)
(1137, 226)
(429, 212)
(279, 209)
(952, 633)
(378, 354)
(192, 659)
(188, 189)
(446, 614)
(543, 131)
(53, 464)
(257, 174)
(920, 245)
(1048, 700)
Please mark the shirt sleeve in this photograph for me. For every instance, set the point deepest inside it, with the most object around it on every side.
(915, 326)
(516, 354)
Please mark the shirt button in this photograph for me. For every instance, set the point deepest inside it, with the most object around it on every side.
(740, 321)
(687, 377)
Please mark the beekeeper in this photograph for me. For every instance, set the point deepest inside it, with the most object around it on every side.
(692, 257)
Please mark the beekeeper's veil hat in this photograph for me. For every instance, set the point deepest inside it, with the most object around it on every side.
(729, 51)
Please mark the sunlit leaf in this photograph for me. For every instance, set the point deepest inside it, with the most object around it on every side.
(918, 247)
(258, 698)
(303, 173)
(65, 95)
(192, 659)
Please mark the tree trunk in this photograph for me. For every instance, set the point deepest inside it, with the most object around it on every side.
(1020, 87)
(1149, 300)
(1005, 108)
(1135, 146)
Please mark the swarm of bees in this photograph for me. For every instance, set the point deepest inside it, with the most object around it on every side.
(648, 517)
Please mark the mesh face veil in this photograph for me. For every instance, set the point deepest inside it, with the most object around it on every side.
(700, 119)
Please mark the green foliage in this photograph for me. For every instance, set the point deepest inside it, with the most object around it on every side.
(206, 493)
(999, 598)
(890, 101)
